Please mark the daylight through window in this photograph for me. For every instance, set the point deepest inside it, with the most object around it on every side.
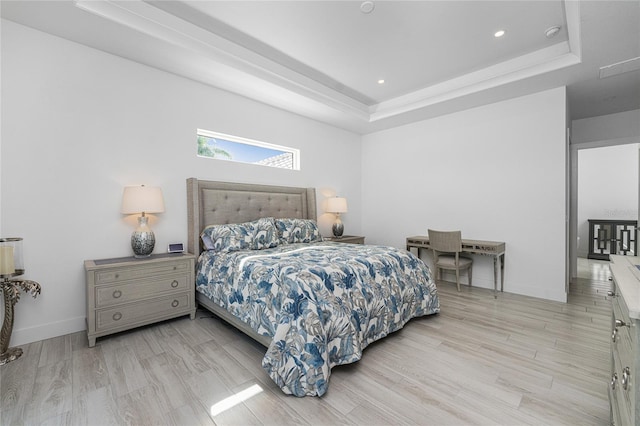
(234, 148)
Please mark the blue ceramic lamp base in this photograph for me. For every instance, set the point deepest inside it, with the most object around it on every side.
(143, 239)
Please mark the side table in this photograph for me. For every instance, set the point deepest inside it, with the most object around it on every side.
(128, 292)
(351, 239)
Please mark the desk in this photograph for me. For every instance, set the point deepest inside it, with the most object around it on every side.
(484, 248)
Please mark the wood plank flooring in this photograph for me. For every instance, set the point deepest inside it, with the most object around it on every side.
(511, 361)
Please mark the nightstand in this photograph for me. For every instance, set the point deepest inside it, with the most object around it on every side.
(126, 292)
(351, 239)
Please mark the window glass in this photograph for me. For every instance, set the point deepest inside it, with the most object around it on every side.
(242, 150)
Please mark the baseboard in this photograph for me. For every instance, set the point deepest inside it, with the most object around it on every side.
(33, 334)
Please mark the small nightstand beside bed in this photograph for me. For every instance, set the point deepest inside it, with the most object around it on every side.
(264, 268)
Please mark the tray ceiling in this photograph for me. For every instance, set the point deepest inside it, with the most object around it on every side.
(324, 59)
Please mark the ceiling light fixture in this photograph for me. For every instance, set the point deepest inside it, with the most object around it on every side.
(499, 34)
(381, 81)
(552, 31)
(367, 7)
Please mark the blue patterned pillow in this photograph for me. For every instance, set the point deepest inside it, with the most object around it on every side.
(265, 233)
(231, 237)
(297, 231)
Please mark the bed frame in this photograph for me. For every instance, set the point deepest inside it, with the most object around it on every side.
(218, 203)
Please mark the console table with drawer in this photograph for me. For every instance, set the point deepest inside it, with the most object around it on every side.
(127, 292)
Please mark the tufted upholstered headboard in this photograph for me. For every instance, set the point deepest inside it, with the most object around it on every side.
(216, 203)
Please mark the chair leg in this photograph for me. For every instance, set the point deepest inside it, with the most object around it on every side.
(458, 279)
(470, 269)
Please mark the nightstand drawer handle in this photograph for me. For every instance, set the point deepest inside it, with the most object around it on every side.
(611, 293)
(175, 303)
(174, 283)
(614, 380)
(117, 294)
(626, 378)
(117, 316)
(614, 335)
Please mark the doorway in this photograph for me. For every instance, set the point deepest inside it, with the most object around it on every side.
(604, 185)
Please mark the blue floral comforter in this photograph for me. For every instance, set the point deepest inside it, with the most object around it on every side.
(322, 303)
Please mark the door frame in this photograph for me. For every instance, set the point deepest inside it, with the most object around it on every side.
(573, 194)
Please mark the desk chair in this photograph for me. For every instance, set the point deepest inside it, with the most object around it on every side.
(446, 246)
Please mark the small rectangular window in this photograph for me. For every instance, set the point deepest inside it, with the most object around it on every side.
(242, 150)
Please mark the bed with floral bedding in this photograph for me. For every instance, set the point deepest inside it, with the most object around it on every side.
(315, 304)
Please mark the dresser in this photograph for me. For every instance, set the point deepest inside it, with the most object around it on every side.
(624, 388)
(124, 293)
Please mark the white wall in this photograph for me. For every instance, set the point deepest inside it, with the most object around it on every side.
(79, 124)
(607, 187)
(618, 126)
(496, 172)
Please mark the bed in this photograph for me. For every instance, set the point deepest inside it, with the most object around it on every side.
(264, 268)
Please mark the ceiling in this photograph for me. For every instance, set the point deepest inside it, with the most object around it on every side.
(324, 59)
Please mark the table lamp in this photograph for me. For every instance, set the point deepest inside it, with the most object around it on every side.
(142, 199)
(337, 205)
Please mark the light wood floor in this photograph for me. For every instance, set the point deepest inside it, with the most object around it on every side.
(511, 361)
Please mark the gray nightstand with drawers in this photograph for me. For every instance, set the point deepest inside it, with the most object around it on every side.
(125, 293)
(351, 239)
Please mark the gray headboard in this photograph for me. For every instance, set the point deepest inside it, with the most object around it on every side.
(217, 203)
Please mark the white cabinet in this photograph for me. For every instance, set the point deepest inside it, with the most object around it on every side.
(624, 387)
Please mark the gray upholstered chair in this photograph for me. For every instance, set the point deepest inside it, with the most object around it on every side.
(446, 246)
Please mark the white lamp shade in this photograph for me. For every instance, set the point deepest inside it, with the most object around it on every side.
(337, 205)
(139, 199)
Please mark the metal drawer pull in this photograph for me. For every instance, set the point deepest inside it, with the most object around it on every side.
(117, 294)
(614, 335)
(626, 378)
(117, 316)
(620, 323)
(174, 283)
(614, 380)
(610, 278)
(175, 303)
(611, 293)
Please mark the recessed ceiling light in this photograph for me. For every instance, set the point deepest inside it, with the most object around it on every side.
(499, 33)
(367, 6)
(381, 81)
(550, 32)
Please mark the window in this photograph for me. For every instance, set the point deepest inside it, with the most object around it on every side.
(234, 148)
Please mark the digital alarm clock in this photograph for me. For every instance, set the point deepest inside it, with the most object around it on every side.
(176, 248)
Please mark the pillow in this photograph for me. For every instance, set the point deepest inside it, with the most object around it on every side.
(257, 235)
(206, 241)
(297, 231)
(231, 237)
(265, 234)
